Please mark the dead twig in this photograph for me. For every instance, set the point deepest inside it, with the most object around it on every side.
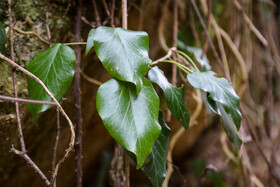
(208, 36)
(72, 140)
(249, 23)
(91, 80)
(178, 134)
(55, 145)
(77, 95)
(47, 22)
(32, 34)
(14, 99)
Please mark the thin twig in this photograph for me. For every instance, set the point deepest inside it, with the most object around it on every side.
(174, 54)
(112, 16)
(55, 145)
(106, 7)
(258, 145)
(21, 138)
(96, 14)
(13, 99)
(87, 22)
(178, 134)
(240, 60)
(91, 80)
(47, 22)
(208, 36)
(32, 34)
(32, 164)
(72, 140)
(126, 156)
(249, 23)
(77, 94)
(124, 14)
(168, 55)
(161, 27)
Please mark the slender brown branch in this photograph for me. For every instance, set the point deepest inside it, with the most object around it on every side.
(71, 143)
(55, 145)
(96, 14)
(32, 164)
(106, 7)
(168, 55)
(249, 23)
(77, 94)
(21, 138)
(208, 36)
(47, 22)
(127, 170)
(14, 99)
(258, 145)
(161, 26)
(87, 22)
(91, 80)
(32, 34)
(126, 156)
(178, 134)
(174, 54)
(124, 14)
(113, 13)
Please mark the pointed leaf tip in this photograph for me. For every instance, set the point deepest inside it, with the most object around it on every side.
(131, 119)
(174, 96)
(90, 41)
(220, 90)
(55, 67)
(123, 53)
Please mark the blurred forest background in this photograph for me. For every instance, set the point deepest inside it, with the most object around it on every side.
(245, 34)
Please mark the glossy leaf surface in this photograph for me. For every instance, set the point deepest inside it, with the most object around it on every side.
(90, 41)
(229, 127)
(156, 168)
(220, 90)
(174, 96)
(56, 68)
(131, 119)
(123, 53)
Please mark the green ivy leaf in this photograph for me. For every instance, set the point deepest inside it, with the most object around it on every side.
(174, 96)
(131, 119)
(90, 41)
(55, 67)
(123, 53)
(3, 38)
(229, 127)
(156, 169)
(220, 90)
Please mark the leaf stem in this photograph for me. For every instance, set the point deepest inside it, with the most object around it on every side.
(182, 67)
(188, 58)
(75, 43)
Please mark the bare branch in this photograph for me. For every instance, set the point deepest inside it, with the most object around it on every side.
(32, 34)
(13, 99)
(71, 143)
(32, 164)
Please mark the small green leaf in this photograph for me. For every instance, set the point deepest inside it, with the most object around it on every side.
(131, 119)
(156, 169)
(220, 90)
(229, 127)
(90, 41)
(55, 68)
(3, 38)
(123, 53)
(174, 96)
